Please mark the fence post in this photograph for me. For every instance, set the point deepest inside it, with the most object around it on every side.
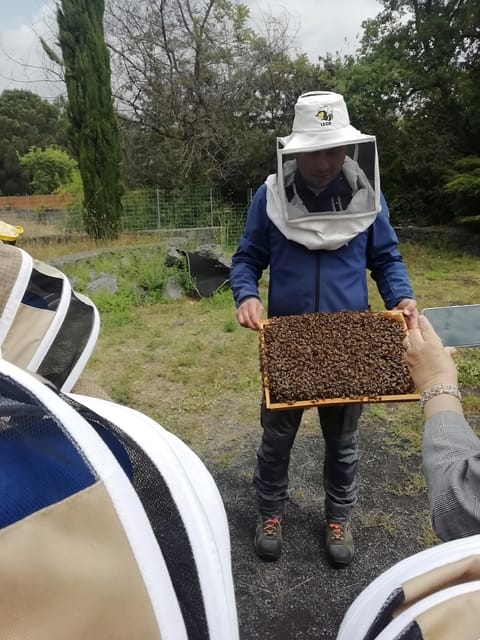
(211, 207)
(158, 210)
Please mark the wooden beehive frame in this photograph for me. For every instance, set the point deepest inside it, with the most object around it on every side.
(305, 404)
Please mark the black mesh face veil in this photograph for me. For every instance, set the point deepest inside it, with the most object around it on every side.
(164, 517)
(353, 190)
(411, 632)
(385, 613)
(69, 342)
(43, 291)
(40, 464)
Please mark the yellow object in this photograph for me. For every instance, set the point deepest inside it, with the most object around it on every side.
(9, 233)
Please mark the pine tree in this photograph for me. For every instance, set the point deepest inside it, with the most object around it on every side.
(93, 127)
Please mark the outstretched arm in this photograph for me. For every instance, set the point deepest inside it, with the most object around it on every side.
(450, 450)
(249, 261)
(451, 463)
(386, 264)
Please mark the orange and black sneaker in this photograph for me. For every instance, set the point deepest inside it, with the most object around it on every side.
(339, 544)
(268, 537)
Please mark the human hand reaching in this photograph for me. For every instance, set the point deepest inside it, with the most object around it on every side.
(250, 313)
(408, 307)
(429, 362)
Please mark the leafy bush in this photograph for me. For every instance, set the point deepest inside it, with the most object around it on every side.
(48, 168)
(463, 186)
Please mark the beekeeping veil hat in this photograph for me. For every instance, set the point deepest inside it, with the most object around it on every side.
(322, 122)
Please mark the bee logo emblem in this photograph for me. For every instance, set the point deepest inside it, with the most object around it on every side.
(325, 116)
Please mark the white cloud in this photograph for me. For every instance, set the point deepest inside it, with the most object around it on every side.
(23, 63)
(322, 26)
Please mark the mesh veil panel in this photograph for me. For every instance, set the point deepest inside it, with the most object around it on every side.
(411, 632)
(43, 291)
(39, 463)
(385, 613)
(69, 342)
(165, 520)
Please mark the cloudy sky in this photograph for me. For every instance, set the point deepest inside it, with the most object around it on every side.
(321, 26)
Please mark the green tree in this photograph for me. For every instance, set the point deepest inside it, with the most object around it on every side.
(202, 94)
(463, 187)
(277, 78)
(48, 168)
(93, 127)
(409, 84)
(25, 121)
(183, 66)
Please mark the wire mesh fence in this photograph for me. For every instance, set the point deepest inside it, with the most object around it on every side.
(144, 210)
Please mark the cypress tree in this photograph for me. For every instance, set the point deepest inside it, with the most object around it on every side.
(93, 127)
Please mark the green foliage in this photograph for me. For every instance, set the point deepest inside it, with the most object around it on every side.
(463, 185)
(115, 310)
(74, 186)
(197, 118)
(221, 300)
(414, 85)
(150, 275)
(48, 168)
(229, 326)
(141, 276)
(429, 538)
(93, 129)
(468, 365)
(74, 189)
(124, 394)
(26, 121)
(142, 209)
(184, 279)
(405, 430)
(415, 483)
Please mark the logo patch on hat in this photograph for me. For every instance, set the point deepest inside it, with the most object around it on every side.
(325, 116)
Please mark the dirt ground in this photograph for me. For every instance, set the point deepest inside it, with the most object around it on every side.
(300, 596)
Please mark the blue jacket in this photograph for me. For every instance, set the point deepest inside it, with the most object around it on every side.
(304, 281)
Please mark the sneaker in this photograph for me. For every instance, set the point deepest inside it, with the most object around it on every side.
(339, 544)
(268, 537)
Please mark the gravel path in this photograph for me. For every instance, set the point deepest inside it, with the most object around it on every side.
(300, 596)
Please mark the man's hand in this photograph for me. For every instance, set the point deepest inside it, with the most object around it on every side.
(409, 309)
(250, 313)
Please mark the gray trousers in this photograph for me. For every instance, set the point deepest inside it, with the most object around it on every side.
(339, 426)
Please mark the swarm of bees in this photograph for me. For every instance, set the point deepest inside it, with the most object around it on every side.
(347, 354)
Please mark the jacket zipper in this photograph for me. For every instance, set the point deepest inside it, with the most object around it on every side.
(316, 305)
(336, 206)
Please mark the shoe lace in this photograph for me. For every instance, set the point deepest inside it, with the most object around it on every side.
(270, 526)
(336, 531)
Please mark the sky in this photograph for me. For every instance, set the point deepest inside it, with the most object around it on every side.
(321, 26)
